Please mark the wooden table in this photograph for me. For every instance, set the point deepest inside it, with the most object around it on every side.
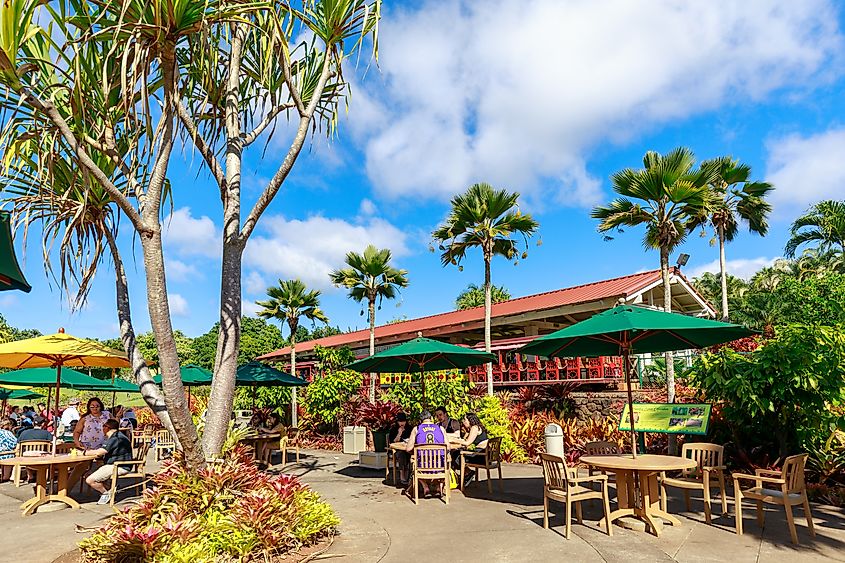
(401, 447)
(637, 490)
(70, 469)
(258, 441)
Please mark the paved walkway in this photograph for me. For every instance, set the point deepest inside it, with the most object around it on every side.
(381, 524)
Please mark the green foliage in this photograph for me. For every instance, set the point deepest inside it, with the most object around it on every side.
(262, 397)
(369, 277)
(473, 296)
(227, 510)
(447, 389)
(258, 337)
(496, 419)
(324, 398)
(823, 224)
(288, 302)
(786, 386)
(148, 348)
(8, 333)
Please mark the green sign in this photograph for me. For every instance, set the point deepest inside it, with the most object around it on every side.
(668, 418)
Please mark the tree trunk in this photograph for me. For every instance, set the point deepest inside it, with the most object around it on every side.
(222, 395)
(488, 311)
(149, 390)
(372, 313)
(171, 380)
(294, 416)
(670, 360)
(723, 273)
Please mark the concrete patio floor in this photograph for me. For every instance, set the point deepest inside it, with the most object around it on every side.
(382, 524)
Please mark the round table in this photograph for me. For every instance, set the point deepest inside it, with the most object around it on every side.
(70, 469)
(637, 489)
(258, 441)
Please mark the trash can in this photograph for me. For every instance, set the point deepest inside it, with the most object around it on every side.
(554, 439)
(354, 439)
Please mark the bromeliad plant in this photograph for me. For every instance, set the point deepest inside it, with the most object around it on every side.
(378, 416)
(228, 510)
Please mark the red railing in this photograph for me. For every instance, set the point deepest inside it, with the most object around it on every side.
(586, 370)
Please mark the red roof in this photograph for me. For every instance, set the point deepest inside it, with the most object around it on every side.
(612, 288)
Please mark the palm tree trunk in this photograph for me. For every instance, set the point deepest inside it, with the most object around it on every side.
(149, 390)
(372, 313)
(670, 360)
(294, 416)
(724, 274)
(488, 311)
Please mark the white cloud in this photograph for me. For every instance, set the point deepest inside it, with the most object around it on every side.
(517, 92)
(367, 207)
(249, 308)
(178, 305)
(255, 284)
(180, 271)
(191, 236)
(309, 249)
(741, 267)
(805, 170)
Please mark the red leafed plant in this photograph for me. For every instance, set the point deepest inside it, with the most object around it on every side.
(378, 416)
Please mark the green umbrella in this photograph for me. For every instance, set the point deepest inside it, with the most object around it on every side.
(420, 355)
(256, 374)
(46, 377)
(11, 276)
(626, 330)
(20, 394)
(192, 376)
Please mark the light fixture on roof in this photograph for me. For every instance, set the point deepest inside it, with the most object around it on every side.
(682, 260)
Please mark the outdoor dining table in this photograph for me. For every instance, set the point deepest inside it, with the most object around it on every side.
(70, 469)
(637, 489)
(401, 447)
(257, 441)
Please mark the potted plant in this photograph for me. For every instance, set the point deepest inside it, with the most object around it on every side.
(378, 417)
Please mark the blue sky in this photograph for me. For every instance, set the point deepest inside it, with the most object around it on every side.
(543, 97)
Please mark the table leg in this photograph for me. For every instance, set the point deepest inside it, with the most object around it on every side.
(651, 512)
(624, 496)
(41, 496)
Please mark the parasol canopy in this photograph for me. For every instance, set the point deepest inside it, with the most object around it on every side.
(192, 376)
(256, 374)
(11, 276)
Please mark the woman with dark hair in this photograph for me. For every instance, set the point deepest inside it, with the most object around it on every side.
(399, 434)
(475, 436)
(88, 433)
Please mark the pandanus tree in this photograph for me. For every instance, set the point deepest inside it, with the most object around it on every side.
(669, 196)
(117, 82)
(823, 224)
(288, 302)
(734, 198)
(488, 219)
(370, 279)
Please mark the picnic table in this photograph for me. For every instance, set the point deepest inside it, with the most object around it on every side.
(637, 489)
(70, 469)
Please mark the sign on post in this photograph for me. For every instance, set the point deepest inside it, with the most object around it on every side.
(668, 418)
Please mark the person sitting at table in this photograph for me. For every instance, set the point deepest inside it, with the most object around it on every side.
(88, 432)
(8, 442)
(449, 425)
(15, 415)
(273, 425)
(37, 432)
(129, 419)
(400, 434)
(427, 433)
(116, 447)
(475, 434)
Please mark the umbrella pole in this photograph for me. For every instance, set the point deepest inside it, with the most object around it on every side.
(58, 387)
(626, 354)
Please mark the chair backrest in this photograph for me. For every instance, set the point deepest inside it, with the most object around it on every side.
(793, 472)
(33, 446)
(163, 438)
(704, 454)
(141, 452)
(293, 434)
(64, 447)
(602, 448)
(431, 459)
(494, 449)
(555, 472)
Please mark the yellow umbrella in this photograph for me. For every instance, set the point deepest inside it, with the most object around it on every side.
(57, 350)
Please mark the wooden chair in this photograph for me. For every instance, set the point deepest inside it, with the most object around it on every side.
(31, 447)
(430, 461)
(785, 487)
(710, 459)
(290, 443)
(600, 447)
(141, 437)
(164, 444)
(562, 484)
(492, 460)
(136, 468)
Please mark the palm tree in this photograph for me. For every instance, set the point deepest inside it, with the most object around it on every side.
(473, 296)
(485, 218)
(288, 302)
(370, 277)
(669, 196)
(731, 204)
(823, 223)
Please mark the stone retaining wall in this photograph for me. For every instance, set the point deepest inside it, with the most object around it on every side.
(601, 404)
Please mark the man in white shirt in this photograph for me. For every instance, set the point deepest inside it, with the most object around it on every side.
(71, 413)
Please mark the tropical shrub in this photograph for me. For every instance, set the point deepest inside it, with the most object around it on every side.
(227, 510)
(378, 416)
(496, 419)
(324, 398)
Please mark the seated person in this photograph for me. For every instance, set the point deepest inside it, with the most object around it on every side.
(427, 433)
(273, 425)
(400, 434)
(23, 425)
(129, 419)
(475, 435)
(449, 425)
(7, 444)
(38, 431)
(117, 447)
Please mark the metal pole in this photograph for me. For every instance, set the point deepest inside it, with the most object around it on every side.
(626, 354)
